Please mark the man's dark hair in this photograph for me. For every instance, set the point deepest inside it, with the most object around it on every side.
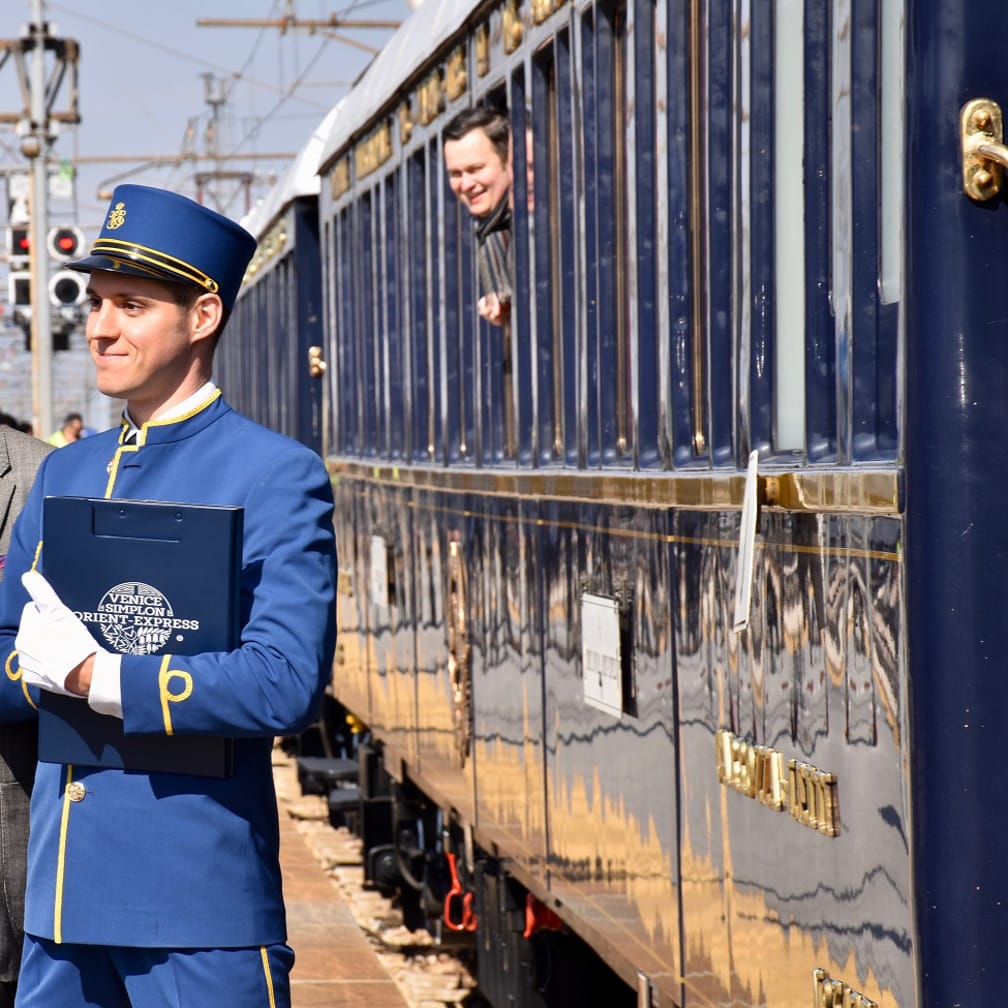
(493, 122)
(185, 295)
(71, 417)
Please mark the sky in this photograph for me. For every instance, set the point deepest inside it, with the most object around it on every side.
(146, 72)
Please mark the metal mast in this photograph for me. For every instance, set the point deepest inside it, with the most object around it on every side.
(39, 92)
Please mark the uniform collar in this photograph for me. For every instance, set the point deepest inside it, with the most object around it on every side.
(180, 421)
(202, 397)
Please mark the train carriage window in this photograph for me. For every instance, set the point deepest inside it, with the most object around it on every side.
(494, 378)
(463, 387)
(421, 421)
(260, 378)
(567, 173)
(274, 307)
(755, 204)
(258, 381)
(682, 234)
(874, 45)
(245, 368)
(278, 314)
(789, 224)
(332, 378)
(617, 79)
(479, 250)
(289, 364)
(363, 300)
(590, 405)
(820, 352)
(610, 374)
(714, 145)
(439, 405)
(554, 243)
(352, 396)
(378, 326)
(550, 436)
(340, 384)
(269, 379)
(399, 387)
(891, 154)
(523, 200)
(521, 307)
(645, 331)
(478, 277)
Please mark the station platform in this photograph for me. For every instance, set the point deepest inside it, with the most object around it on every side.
(335, 965)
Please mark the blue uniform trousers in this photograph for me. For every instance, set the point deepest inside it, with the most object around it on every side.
(99, 976)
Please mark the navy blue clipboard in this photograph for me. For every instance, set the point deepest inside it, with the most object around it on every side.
(146, 577)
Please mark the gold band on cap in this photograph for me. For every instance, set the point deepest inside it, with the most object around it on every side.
(118, 261)
(133, 253)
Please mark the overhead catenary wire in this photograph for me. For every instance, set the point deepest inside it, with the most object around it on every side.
(292, 91)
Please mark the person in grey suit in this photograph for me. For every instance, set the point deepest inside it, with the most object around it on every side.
(20, 455)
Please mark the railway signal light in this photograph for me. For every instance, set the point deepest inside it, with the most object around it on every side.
(64, 243)
(19, 290)
(67, 289)
(18, 246)
(19, 296)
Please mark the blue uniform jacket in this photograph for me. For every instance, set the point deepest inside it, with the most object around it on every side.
(170, 860)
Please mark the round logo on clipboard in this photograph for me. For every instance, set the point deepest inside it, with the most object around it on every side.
(135, 618)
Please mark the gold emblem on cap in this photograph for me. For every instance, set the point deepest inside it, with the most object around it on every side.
(116, 217)
(76, 791)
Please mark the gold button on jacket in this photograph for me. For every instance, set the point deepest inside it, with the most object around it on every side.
(76, 791)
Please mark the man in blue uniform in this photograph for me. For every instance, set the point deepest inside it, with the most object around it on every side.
(157, 889)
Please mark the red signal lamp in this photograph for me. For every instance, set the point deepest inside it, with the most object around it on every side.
(64, 242)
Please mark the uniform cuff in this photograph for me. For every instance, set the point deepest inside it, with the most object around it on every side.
(105, 696)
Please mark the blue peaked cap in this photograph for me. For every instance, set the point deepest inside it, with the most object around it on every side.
(161, 235)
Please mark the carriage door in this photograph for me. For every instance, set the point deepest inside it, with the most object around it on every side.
(956, 467)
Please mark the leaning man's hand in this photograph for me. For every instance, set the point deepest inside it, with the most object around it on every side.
(51, 641)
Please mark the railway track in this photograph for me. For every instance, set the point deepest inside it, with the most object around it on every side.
(429, 974)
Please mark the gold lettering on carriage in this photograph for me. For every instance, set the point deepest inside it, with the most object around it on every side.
(269, 248)
(371, 153)
(455, 78)
(759, 772)
(431, 97)
(830, 993)
(340, 181)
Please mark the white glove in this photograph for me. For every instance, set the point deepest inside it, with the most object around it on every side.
(51, 640)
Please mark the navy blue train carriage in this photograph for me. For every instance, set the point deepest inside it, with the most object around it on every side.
(671, 615)
(280, 312)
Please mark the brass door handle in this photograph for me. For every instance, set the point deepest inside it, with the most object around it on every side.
(981, 135)
(316, 365)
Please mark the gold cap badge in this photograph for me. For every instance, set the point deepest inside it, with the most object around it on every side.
(116, 217)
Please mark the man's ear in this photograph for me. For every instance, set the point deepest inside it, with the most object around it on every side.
(207, 312)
